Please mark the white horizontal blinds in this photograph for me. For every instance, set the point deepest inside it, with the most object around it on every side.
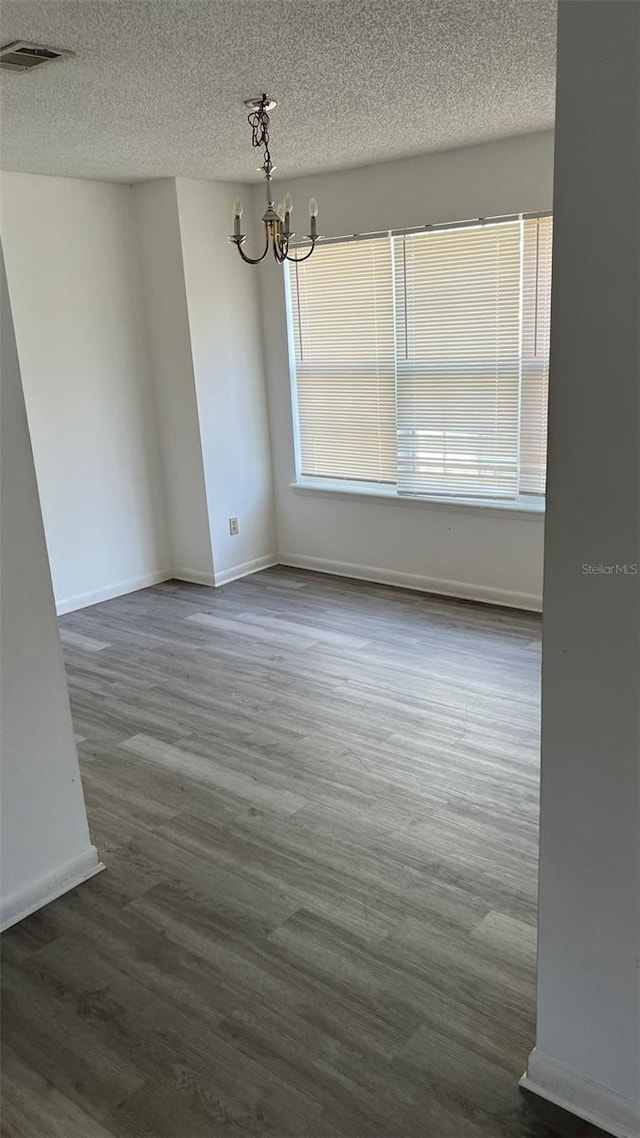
(536, 323)
(343, 331)
(458, 366)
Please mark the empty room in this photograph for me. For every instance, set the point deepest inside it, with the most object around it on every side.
(320, 535)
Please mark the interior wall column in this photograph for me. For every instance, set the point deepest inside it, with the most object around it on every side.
(587, 1055)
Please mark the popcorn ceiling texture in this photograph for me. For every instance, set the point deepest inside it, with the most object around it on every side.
(156, 87)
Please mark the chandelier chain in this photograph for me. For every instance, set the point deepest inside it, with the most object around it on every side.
(259, 122)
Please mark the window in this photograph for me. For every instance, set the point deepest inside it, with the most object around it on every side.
(344, 335)
(421, 360)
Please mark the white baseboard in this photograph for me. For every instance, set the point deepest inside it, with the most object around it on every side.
(179, 573)
(109, 592)
(245, 569)
(192, 576)
(579, 1095)
(486, 594)
(460, 589)
(83, 600)
(35, 894)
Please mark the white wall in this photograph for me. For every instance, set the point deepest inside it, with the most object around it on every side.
(588, 1036)
(71, 266)
(164, 303)
(226, 350)
(490, 555)
(143, 372)
(46, 847)
(139, 338)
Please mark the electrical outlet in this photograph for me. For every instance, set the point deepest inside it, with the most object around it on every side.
(234, 526)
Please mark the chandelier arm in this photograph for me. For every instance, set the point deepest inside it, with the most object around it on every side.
(253, 260)
(298, 260)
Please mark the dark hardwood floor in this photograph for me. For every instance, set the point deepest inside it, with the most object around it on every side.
(317, 803)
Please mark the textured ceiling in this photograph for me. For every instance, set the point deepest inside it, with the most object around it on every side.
(156, 87)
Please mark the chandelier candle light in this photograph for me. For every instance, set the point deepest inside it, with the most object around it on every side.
(276, 219)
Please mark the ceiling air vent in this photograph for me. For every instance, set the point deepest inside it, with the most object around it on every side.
(22, 56)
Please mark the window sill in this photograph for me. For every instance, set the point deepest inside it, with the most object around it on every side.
(520, 508)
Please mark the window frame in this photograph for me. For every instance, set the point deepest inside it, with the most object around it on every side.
(525, 505)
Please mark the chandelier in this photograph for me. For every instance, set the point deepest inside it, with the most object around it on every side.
(276, 219)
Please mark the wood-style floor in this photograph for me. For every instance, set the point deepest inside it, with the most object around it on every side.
(317, 803)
